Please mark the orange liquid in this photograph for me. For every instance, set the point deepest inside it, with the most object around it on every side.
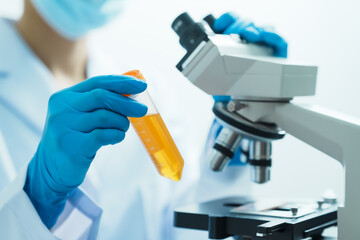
(160, 146)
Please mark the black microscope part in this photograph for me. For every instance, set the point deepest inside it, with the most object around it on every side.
(224, 150)
(217, 218)
(260, 163)
(191, 34)
(181, 23)
(210, 20)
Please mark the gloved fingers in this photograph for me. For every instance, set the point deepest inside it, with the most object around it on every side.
(224, 21)
(115, 83)
(238, 26)
(281, 51)
(104, 99)
(221, 98)
(238, 159)
(102, 137)
(98, 119)
(230, 23)
(251, 33)
(277, 42)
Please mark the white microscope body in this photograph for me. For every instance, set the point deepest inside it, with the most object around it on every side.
(262, 87)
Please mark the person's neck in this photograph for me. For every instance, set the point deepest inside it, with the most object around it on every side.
(65, 59)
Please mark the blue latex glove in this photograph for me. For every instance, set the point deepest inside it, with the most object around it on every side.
(80, 120)
(230, 23)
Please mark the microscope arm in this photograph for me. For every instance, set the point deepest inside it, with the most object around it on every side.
(319, 128)
(336, 136)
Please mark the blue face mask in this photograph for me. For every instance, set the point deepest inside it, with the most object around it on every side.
(74, 18)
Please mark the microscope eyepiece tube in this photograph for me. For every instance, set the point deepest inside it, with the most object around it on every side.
(260, 161)
(224, 148)
(191, 33)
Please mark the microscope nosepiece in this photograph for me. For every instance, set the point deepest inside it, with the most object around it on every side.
(260, 161)
(224, 148)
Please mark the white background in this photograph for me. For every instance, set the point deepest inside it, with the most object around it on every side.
(324, 32)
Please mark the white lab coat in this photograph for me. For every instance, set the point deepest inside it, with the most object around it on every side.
(134, 201)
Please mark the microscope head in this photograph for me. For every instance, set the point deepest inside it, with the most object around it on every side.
(225, 65)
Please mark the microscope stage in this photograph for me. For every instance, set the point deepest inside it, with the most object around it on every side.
(270, 219)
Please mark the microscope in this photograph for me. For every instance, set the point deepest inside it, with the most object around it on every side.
(259, 112)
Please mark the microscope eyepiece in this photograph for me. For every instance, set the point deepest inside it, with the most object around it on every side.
(181, 23)
(210, 20)
(191, 33)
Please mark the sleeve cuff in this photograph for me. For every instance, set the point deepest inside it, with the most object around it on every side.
(79, 220)
(80, 211)
(15, 205)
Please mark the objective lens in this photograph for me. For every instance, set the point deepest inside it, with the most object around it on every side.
(260, 161)
(224, 148)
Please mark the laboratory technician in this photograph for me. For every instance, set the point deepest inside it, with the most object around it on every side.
(52, 124)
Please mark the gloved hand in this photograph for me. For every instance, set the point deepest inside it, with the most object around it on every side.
(230, 23)
(80, 120)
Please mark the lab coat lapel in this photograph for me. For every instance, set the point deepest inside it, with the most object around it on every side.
(23, 88)
(15, 83)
